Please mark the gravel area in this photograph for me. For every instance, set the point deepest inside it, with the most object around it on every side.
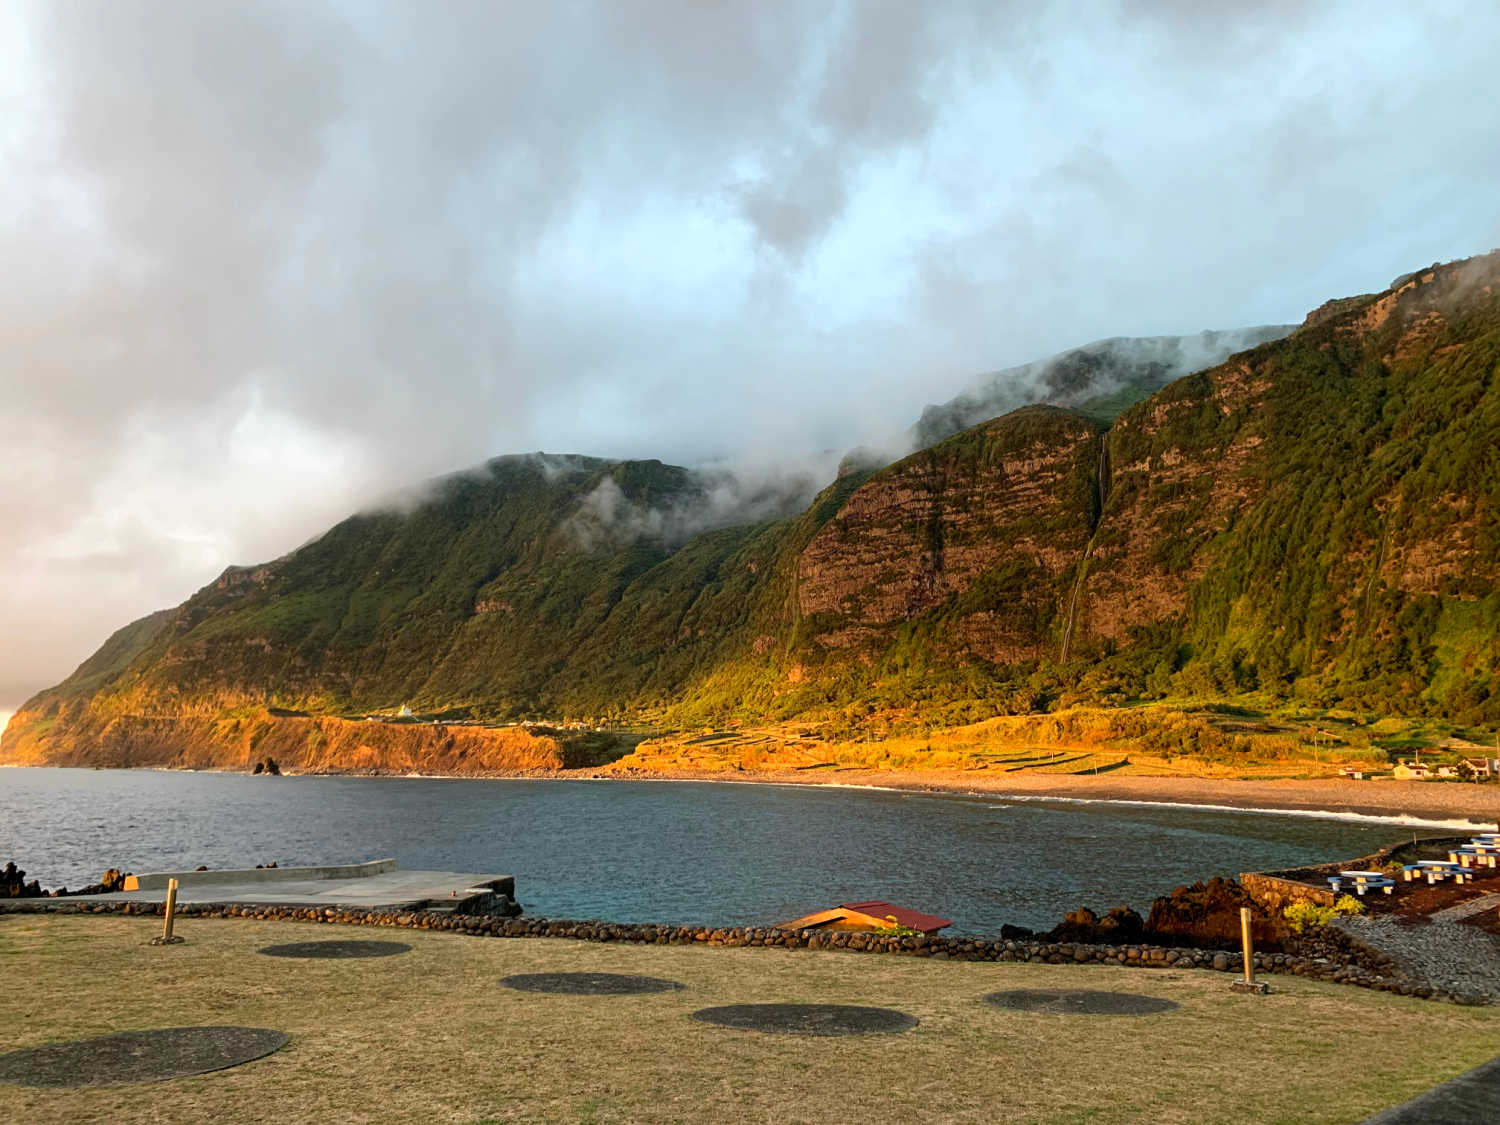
(1468, 909)
(1444, 956)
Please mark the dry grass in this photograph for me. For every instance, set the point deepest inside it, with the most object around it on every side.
(1080, 738)
(430, 1036)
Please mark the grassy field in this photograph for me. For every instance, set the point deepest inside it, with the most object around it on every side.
(431, 1035)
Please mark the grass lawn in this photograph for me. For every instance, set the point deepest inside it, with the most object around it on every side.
(430, 1036)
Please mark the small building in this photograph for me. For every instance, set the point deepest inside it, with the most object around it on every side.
(1484, 767)
(872, 916)
(1408, 771)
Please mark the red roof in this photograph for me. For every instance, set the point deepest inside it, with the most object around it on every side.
(911, 919)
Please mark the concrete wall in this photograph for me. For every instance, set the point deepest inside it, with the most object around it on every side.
(157, 880)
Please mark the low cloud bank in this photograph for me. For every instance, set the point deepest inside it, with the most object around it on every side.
(715, 498)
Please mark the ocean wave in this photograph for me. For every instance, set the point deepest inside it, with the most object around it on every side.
(1395, 820)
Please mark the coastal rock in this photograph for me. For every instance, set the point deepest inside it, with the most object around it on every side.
(1208, 915)
(13, 884)
(1120, 925)
(488, 905)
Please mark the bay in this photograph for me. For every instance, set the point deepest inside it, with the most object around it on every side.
(663, 851)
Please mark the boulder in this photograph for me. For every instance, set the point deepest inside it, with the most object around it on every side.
(488, 905)
(13, 884)
(1120, 926)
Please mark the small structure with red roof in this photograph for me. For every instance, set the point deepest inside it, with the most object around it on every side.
(868, 916)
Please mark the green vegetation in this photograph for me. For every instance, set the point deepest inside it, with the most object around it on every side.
(1302, 916)
(1309, 530)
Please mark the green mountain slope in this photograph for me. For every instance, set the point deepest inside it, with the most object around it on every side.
(1099, 379)
(1317, 517)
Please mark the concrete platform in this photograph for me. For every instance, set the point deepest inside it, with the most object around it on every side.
(303, 886)
(158, 880)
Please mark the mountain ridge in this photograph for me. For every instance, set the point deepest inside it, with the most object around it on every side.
(1315, 518)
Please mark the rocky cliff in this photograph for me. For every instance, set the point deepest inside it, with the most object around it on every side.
(309, 744)
(1316, 518)
(981, 530)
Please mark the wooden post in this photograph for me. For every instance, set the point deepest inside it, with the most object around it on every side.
(1244, 941)
(1249, 984)
(167, 937)
(166, 929)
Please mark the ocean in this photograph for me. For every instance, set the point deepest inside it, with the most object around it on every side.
(665, 851)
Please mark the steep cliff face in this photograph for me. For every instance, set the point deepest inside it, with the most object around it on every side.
(305, 743)
(982, 528)
(1327, 506)
(1318, 516)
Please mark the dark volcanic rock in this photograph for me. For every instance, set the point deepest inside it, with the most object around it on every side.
(1207, 915)
(1121, 925)
(489, 905)
(13, 884)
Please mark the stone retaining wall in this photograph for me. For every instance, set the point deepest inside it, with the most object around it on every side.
(1276, 893)
(1276, 890)
(1330, 956)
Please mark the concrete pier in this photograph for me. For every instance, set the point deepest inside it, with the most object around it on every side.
(369, 885)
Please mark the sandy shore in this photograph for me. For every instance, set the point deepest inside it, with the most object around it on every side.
(1418, 800)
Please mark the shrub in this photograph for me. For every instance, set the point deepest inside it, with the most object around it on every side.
(1347, 905)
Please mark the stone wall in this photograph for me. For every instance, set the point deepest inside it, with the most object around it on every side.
(1329, 957)
(1276, 890)
(1275, 893)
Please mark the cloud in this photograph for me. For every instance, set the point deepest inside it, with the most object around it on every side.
(267, 263)
(714, 498)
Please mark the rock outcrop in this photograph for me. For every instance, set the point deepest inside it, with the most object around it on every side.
(304, 745)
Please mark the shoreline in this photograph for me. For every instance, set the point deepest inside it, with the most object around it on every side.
(1399, 803)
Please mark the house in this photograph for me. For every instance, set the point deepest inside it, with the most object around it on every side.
(1407, 771)
(1484, 767)
(868, 916)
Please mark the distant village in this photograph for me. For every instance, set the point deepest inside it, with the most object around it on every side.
(406, 715)
(1414, 769)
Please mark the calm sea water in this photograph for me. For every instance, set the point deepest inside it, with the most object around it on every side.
(644, 851)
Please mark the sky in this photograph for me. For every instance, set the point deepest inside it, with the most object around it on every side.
(266, 263)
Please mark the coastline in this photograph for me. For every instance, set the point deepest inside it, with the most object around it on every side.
(1404, 803)
(1439, 803)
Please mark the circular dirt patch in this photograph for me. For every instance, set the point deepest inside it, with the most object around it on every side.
(337, 949)
(1079, 1002)
(589, 984)
(139, 1056)
(808, 1019)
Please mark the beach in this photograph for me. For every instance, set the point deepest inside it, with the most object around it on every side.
(1427, 801)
